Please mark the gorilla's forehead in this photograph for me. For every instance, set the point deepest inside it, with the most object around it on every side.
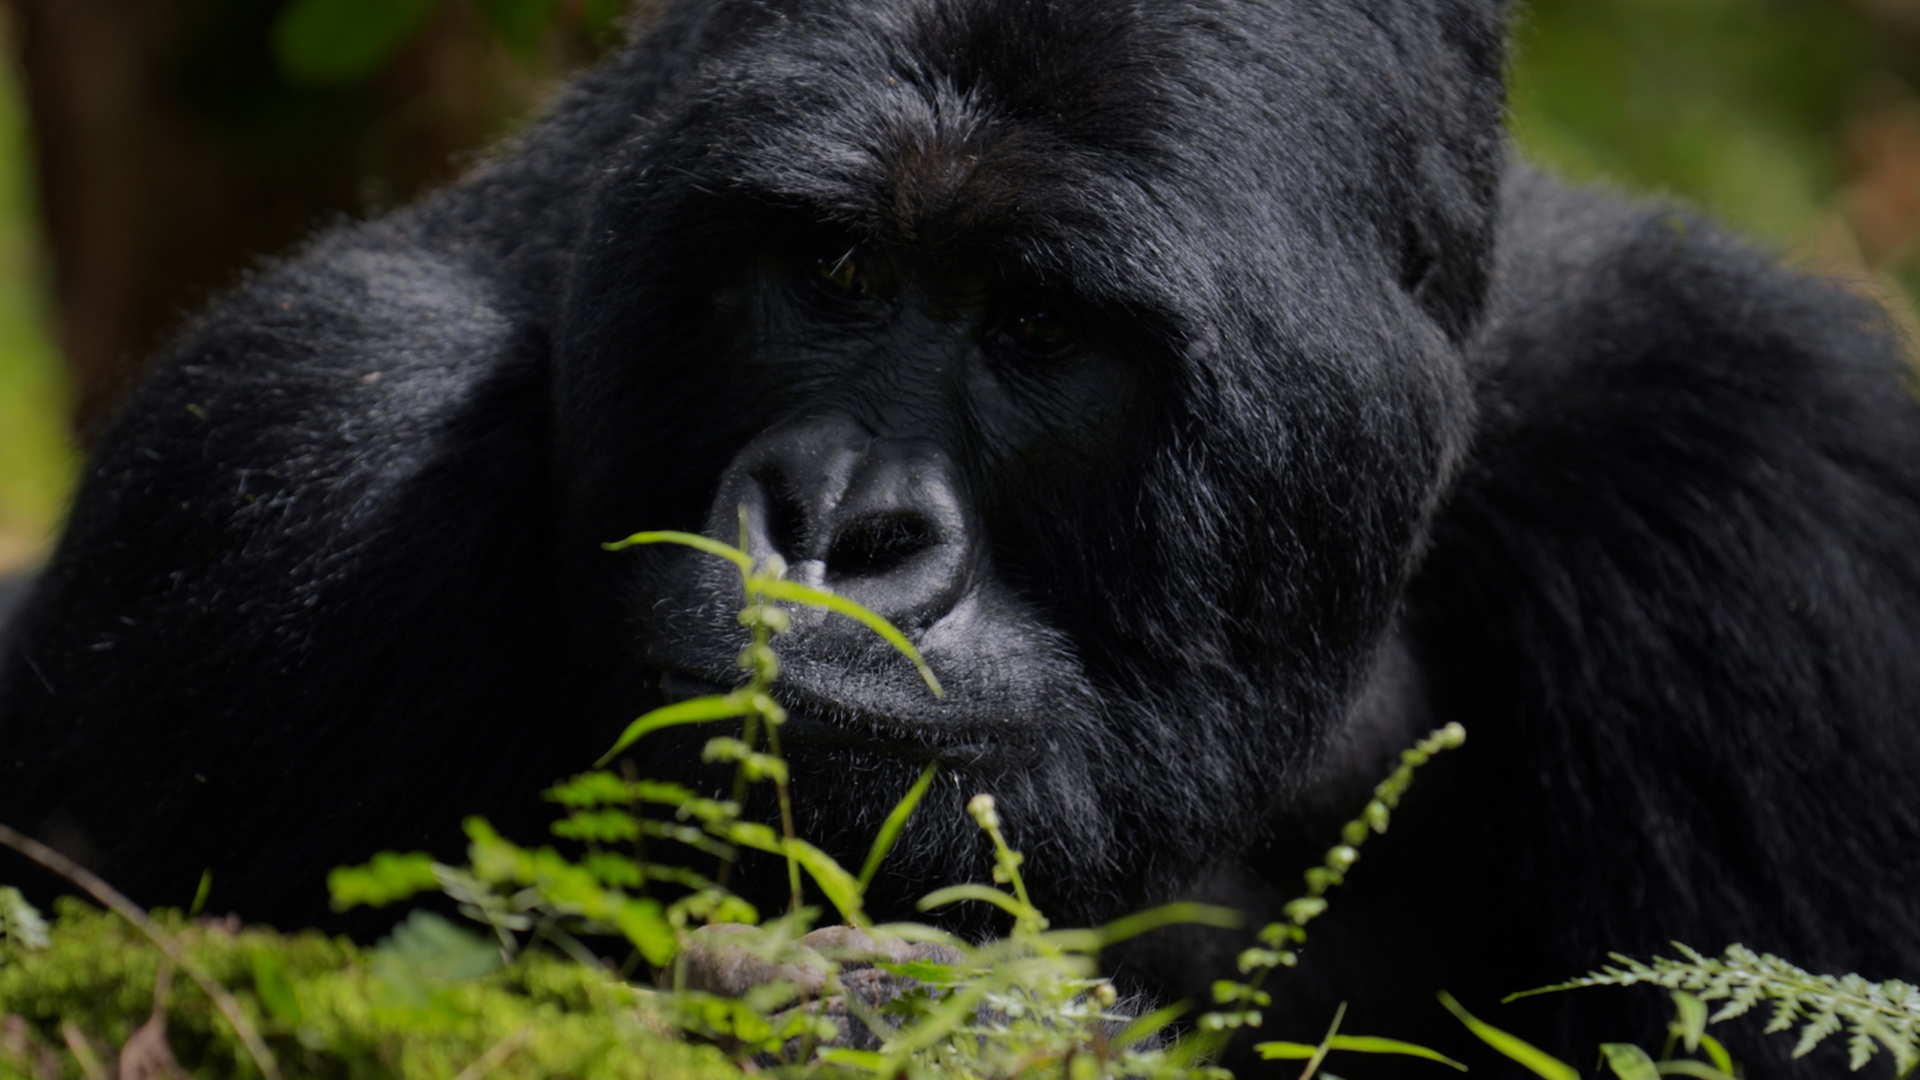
(1098, 141)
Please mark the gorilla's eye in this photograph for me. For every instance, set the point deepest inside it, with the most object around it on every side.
(841, 274)
(1038, 331)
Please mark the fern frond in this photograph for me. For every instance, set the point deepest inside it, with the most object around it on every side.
(1875, 1016)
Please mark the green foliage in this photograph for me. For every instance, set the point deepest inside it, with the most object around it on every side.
(332, 41)
(332, 1009)
(21, 927)
(341, 41)
(1875, 1016)
(37, 460)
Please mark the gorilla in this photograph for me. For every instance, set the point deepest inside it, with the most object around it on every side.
(1196, 383)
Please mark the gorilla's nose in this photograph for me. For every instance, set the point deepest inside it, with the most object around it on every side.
(876, 519)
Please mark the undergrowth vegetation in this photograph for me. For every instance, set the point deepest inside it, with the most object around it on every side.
(615, 957)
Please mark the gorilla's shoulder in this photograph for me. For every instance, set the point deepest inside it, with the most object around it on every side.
(323, 382)
(1609, 316)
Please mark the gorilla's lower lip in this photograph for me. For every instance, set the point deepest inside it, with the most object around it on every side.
(814, 721)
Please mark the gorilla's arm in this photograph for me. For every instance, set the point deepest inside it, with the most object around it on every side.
(331, 497)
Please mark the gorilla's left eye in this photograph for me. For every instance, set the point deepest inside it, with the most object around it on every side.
(1039, 331)
(842, 274)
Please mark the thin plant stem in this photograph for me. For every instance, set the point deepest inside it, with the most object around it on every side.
(112, 899)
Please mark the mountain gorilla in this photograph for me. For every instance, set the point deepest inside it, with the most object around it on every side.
(1191, 379)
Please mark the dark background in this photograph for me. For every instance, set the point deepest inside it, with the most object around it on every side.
(151, 150)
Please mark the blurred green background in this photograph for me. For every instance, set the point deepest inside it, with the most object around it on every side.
(151, 149)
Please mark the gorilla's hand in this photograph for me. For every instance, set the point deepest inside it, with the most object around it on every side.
(829, 964)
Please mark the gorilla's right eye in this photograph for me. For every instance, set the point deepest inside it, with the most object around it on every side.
(841, 274)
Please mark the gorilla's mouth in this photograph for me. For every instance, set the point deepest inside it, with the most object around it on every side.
(817, 720)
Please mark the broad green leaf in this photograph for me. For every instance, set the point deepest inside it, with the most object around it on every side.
(644, 924)
(387, 879)
(1367, 1044)
(337, 41)
(1629, 1062)
(1286, 1051)
(839, 886)
(795, 593)
(275, 990)
(1689, 1019)
(897, 820)
(1538, 1061)
(693, 540)
(692, 711)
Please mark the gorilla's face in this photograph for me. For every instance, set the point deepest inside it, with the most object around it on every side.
(983, 316)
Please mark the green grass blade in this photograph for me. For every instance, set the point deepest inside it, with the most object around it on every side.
(1149, 1025)
(796, 593)
(890, 829)
(691, 711)
(953, 894)
(1535, 1059)
(1169, 915)
(693, 540)
(1286, 1051)
(1367, 1044)
(1699, 1070)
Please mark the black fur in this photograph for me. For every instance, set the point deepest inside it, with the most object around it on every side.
(1355, 438)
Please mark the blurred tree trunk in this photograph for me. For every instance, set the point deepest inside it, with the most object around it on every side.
(172, 152)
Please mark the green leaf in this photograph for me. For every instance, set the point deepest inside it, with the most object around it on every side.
(839, 886)
(692, 711)
(795, 593)
(200, 895)
(693, 540)
(953, 894)
(1721, 1059)
(1700, 1070)
(338, 41)
(1629, 1062)
(1367, 1044)
(1535, 1059)
(1182, 913)
(644, 924)
(1689, 1019)
(388, 878)
(868, 1061)
(1286, 1051)
(20, 922)
(275, 990)
(429, 949)
(890, 828)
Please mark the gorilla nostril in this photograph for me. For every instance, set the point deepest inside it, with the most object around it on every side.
(786, 518)
(877, 543)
